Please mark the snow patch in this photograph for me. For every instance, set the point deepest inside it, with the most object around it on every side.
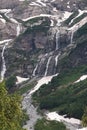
(4, 41)
(21, 79)
(81, 78)
(40, 2)
(85, 128)
(57, 117)
(80, 13)
(5, 10)
(68, 6)
(79, 24)
(52, 23)
(41, 15)
(66, 15)
(3, 20)
(21, 0)
(34, 3)
(44, 80)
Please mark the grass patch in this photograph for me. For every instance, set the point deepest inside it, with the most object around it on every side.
(81, 31)
(71, 17)
(44, 124)
(26, 88)
(63, 95)
(78, 19)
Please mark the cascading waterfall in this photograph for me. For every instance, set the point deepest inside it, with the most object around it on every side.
(57, 39)
(71, 40)
(56, 59)
(34, 72)
(3, 63)
(47, 65)
(18, 29)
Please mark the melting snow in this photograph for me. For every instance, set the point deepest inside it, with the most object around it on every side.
(34, 3)
(52, 0)
(66, 15)
(20, 79)
(80, 13)
(52, 23)
(68, 6)
(81, 78)
(79, 24)
(57, 117)
(21, 0)
(54, 9)
(44, 80)
(83, 128)
(3, 20)
(41, 15)
(39, 1)
(4, 41)
(5, 10)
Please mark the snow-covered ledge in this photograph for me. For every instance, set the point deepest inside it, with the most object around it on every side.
(21, 79)
(57, 117)
(81, 78)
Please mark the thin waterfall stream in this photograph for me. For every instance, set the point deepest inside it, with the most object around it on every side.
(3, 63)
(18, 28)
(57, 39)
(47, 66)
(56, 59)
(34, 71)
(71, 40)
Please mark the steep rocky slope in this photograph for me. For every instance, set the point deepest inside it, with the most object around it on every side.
(39, 35)
(40, 38)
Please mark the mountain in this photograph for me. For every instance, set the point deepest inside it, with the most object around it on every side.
(40, 38)
(40, 35)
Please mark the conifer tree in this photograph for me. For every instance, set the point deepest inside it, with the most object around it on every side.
(11, 113)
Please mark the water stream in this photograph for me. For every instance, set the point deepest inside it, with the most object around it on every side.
(71, 40)
(27, 104)
(18, 28)
(34, 71)
(57, 39)
(3, 63)
(47, 66)
(56, 59)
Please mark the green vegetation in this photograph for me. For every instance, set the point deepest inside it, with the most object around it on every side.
(71, 17)
(78, 19)
(45, 24)
(84, 118)
(43, 20)
(63, 95)
(82, 31)
(26, 88)
(10, 82)
(11, 114)
(4, 17)
(44, 124)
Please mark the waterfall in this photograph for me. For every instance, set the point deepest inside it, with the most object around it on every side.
(57, 39)
(56, 59)
(47, 66)
(3, 63)
(34, 72)
(18, 29)
(71, 40)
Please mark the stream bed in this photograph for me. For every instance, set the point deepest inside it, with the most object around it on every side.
(71, 123)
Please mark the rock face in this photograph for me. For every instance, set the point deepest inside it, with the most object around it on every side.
(40, 36)
(8, 4)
